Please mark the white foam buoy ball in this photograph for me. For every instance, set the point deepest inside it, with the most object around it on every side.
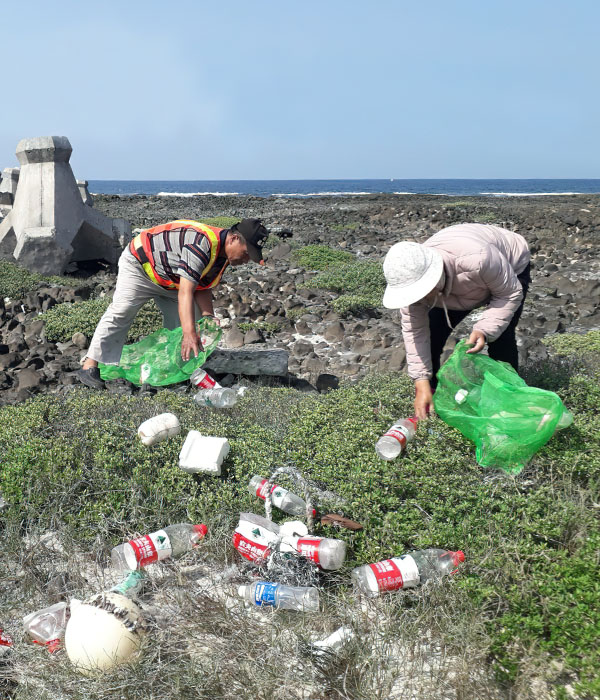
(103, 632)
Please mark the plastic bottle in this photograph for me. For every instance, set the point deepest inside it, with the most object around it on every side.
(406, 571)
(6, 643)
(392, 443)
(255, 537)
(217, 398)
(326, 553)
(159, 428)
(131, 585)
(332, 644)
(281, 498)
(304, 598)
(47, 626)
(172, 541)
(202, 380)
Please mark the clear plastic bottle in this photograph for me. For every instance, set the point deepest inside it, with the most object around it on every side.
(222, 397)
(326, 553)
(392, 443)
(172, 541)
(304, 598)
(281, 498)
(47, 626)
(202, 380)
(406, 571)
(333, 644)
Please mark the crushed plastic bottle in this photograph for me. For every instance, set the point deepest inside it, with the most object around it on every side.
(47, 626)
(222, 397)
(394, 441)
(158, 428)
(281, 498)
(406, 571)
(132, 585)
(171, 542)
(265, 593)
(255, 537)
(202, 380)
(326, 553)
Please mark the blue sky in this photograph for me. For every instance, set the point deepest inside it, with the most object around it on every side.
(190, 89)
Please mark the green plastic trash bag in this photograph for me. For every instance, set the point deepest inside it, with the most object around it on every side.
(491, 405)
(156, 359)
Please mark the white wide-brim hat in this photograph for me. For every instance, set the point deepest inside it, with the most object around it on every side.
(411, 271)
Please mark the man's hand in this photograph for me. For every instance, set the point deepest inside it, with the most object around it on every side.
(423, 398)
(477, 340)
(190, 344)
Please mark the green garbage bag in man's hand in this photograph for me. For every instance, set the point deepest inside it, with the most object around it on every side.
(490, 404)
(156, 359)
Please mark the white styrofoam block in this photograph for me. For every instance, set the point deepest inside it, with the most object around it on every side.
(201, 453)
(158, 428)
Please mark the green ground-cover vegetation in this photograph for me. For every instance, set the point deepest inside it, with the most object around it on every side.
(532, 542)
(16, 281)
(359, 283)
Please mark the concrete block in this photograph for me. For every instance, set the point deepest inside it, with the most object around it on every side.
(273, 361)
(86, 197)
(8, 189)
(49, 225)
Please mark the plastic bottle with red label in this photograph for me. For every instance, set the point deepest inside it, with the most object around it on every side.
(6, 643)
(276, 595)
(255, 537)
(47, 626)
(281, 498)
(202, 380)
(326, 553)
(171, 542)
(406, 571)
(395, 440)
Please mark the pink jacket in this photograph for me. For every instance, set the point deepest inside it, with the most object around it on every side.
(481, 264)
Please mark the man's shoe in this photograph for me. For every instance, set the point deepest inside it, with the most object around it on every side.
(91, 377)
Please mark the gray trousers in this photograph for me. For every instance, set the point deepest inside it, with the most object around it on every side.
(133, 290)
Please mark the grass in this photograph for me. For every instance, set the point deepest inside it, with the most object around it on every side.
(523, 610)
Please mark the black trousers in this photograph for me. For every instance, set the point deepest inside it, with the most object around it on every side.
(504, 348)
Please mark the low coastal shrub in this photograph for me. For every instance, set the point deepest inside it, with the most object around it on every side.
(321, 257)
(530, 581)
(63, 320)
(264, 327)
(361, 285)
(16, 281)
(578, 344)
(221, 221)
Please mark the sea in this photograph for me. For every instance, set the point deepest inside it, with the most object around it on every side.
(342, 188)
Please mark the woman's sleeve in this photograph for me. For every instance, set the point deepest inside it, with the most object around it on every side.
(417, 340)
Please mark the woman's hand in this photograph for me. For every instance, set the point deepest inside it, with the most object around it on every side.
(477, 340)
(190, 344)
(423, 398)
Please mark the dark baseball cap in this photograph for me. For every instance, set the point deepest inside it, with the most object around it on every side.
(254, 234)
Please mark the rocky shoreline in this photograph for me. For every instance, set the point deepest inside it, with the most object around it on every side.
(563, 233)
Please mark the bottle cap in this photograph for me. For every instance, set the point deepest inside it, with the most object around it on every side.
(242, 591)
(201, 530)
(458, 557)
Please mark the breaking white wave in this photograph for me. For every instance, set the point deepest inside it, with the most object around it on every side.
(528, 194)
(197, 194)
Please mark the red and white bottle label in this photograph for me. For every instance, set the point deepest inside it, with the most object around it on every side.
(150, 548)
(309, 547)
(393, 574)
(398, 432)
(204, 381)
(251, 550)
(263, 487)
